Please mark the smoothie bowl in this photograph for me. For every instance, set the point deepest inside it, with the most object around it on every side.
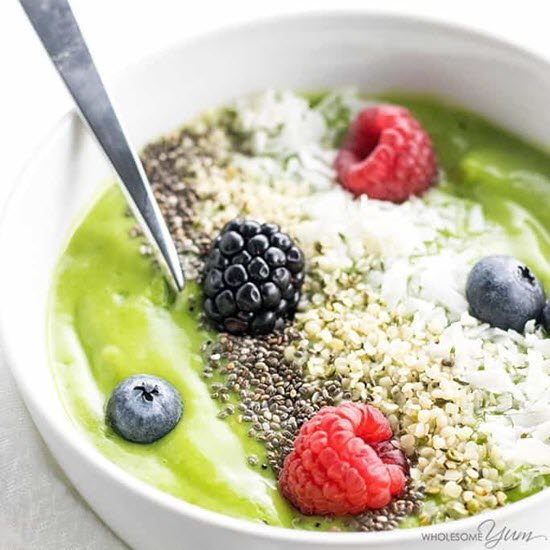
(361, 353)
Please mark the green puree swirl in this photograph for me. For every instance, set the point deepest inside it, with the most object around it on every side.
(112, 315)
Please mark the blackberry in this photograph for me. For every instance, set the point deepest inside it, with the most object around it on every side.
(252, 278)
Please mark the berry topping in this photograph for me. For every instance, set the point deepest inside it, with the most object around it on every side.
(343, 462)
(252, 278)
(144, 408)
(258, 269)
(258, 245)
(504, 292)
(545, 316)
(231, 243)
(235, 275)
(387, 155)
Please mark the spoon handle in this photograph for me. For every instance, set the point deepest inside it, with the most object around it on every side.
(56, 26)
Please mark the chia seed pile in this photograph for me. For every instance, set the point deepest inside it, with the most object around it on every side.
(372, 325)
(275, 400)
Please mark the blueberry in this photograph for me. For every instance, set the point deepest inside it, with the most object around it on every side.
(545, 316)
(275, 257)
(231, 243)
(504, 292)
(248, 298)
(235, 275)
(144, 408)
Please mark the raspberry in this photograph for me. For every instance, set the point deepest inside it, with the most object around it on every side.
(343, 462)
(387, 155)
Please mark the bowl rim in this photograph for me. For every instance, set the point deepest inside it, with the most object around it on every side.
(81, 445)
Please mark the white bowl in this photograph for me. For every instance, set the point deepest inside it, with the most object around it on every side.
(372, 52)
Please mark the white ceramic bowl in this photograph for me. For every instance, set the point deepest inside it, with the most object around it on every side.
(373, 52)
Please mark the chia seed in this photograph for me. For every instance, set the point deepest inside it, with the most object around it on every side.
(173, 164)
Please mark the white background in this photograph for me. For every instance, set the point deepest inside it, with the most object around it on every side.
(38, 510)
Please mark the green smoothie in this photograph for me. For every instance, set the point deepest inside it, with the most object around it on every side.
(112, 315)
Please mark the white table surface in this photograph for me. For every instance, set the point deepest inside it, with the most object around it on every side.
(38, 509)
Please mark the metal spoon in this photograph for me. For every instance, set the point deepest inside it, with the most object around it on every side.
(56, 26)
